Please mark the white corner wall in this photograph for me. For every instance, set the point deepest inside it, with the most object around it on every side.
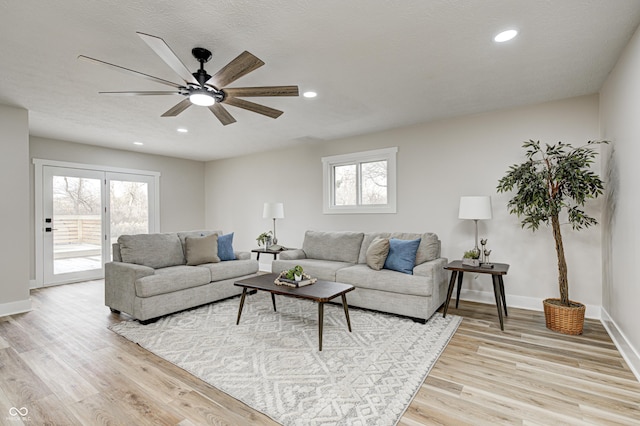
(619, 107)
(14, 226)
(437, 163)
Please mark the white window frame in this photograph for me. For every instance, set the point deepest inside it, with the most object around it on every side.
(328, 163)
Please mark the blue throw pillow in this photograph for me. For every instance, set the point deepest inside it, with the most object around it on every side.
(402, 255)
(225, 247)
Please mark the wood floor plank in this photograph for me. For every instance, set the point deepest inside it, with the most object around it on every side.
(51, 411)
(526, 374)
(64, 382)
(18, 382)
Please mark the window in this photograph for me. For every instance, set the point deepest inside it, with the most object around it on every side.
(362, 182)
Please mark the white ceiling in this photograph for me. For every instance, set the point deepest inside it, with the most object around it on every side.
(376, 64)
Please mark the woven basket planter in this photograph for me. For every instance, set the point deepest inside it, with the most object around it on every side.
(564, 319)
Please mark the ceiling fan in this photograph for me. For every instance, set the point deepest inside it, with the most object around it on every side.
(202, 89)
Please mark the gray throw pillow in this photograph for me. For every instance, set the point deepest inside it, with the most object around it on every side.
(377, 253)
(201, 250)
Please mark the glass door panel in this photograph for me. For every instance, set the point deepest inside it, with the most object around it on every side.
(73, 225)
(130, 205)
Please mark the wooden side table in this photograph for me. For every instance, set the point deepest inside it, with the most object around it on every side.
(267, 251)
(457, 271)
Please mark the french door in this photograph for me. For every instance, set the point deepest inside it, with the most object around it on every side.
(83, 211)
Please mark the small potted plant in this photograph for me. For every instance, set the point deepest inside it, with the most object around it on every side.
(295, 273)
(553, 179)
(471, 257)
(265, 238)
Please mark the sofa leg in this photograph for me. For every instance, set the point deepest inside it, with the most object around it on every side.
(419, 320)
(115, 311)
(147, 322)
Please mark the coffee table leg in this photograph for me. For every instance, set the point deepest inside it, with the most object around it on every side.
(320, 321)
(273, 300)
(346, 311)
(244, 294)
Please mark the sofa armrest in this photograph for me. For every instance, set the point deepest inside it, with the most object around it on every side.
(435, 270)
(293, 254)
(242, 255)
(119, 284)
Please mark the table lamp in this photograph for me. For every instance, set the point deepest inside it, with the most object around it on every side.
(475, 208)
(273, 211)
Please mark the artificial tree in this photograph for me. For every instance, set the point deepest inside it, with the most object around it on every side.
(554, 179)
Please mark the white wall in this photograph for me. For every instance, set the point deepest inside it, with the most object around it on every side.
(181, 181)
(14, 226)
(620, 103)
(437, 163)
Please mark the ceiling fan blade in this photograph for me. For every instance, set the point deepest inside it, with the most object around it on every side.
(260, 109)
(163, 50)
(132, 72)
(222, 114)
(240, 92)
(178, 108)
(243, 64)
(139, 93)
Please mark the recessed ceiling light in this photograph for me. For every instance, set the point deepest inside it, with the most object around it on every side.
(182, 130)
(309, 94)
(138, 143)
(505, 36)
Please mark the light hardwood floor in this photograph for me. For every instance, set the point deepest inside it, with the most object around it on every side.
(62, 363)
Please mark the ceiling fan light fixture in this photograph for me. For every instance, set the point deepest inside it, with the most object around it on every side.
(202, 98)
(309, 94)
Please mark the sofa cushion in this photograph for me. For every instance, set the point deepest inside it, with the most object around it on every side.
(402, 255)
(317, 268)
(232, 269)
(174, 278)
(429, 248)
(377, 253)
(199, 250)
(337, 246)
(153, 250)
(225, 247)
(361, 276)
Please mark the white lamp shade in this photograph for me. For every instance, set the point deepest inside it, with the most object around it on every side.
(476, 207)
(273, 211)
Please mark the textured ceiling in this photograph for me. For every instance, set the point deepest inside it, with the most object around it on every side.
(376, 64)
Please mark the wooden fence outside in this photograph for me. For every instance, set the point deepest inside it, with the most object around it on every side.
(77, 229)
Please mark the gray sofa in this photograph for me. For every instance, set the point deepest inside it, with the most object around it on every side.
(158, 274)
(342, 257)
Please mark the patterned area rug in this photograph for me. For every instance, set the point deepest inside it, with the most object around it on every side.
(271, 360)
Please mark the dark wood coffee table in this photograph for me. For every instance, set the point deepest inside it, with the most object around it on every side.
(320, 291)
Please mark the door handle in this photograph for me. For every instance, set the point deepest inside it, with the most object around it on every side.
(50, 229)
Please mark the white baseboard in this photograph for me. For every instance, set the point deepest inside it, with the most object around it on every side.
(17, 307)
(264, 267)
(522, 302)
(626, 349)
